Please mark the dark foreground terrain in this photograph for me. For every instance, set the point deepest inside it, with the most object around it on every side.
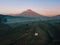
(24, 33)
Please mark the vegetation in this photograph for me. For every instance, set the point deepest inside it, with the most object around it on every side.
(23, 33)
(2, 19)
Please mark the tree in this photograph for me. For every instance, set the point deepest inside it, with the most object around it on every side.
(2, 19)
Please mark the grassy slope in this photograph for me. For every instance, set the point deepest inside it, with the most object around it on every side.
(10, 33)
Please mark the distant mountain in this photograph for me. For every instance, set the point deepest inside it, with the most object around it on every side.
(29, 13)
(55, 17)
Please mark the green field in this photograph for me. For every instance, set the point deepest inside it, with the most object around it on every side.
(23, 33)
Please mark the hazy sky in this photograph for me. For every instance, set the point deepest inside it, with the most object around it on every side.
(44, 7)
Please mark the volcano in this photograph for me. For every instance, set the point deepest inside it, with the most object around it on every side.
(29, 13)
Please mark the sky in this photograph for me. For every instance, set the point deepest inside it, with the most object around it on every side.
(43, 7)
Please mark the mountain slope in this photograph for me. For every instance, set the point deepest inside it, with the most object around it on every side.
(29, 13)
